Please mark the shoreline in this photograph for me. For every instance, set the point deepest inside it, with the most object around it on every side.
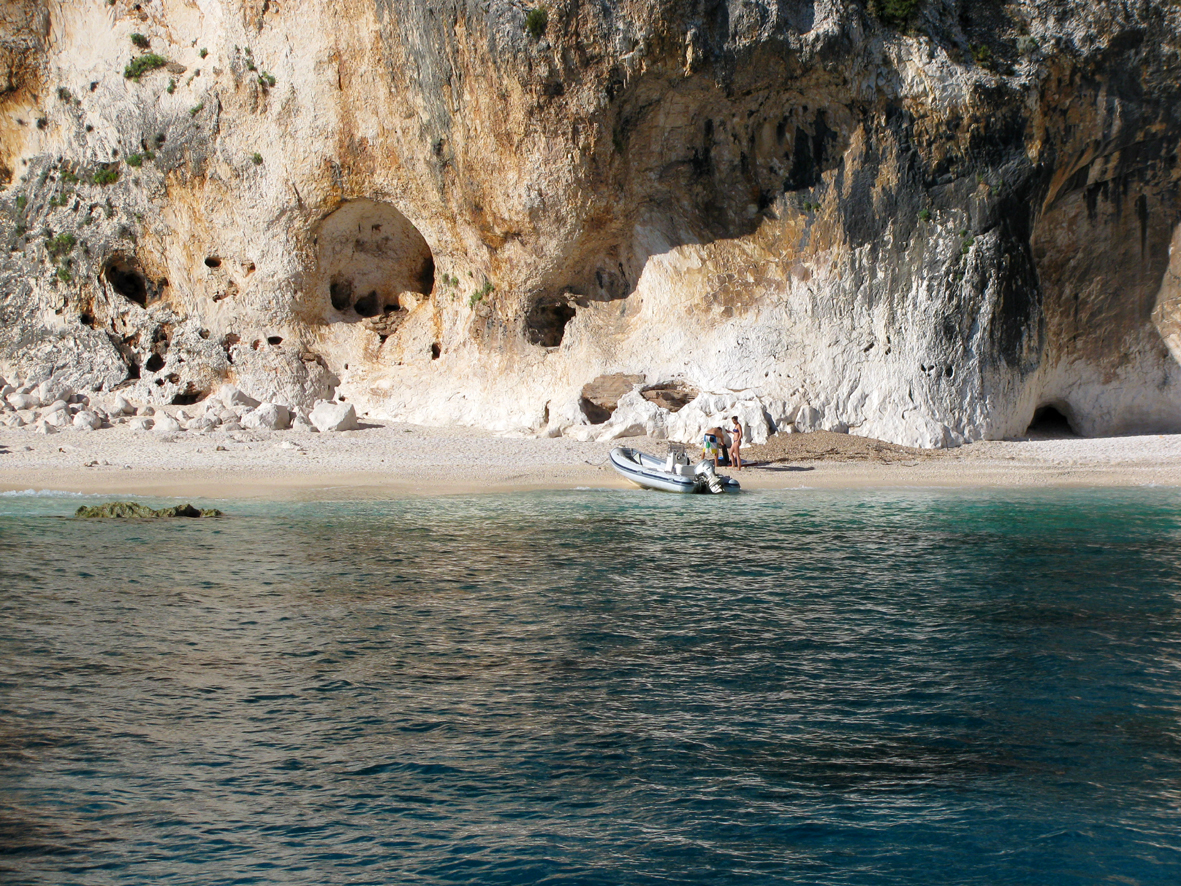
(400, 461)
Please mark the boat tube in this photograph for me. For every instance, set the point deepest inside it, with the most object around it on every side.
(671, 474)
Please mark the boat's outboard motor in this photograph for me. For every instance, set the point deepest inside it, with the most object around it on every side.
(706, 472)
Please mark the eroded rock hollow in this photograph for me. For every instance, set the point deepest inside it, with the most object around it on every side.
(927, 221)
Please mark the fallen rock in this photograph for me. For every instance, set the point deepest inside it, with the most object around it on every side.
(130, 509)
(329, 415)
(301, 423)
(87, 421)
(142, 423)
(166, 424)
(268, 417)
(202, 424)
(23, 401)
(59, 418)
(44, 427)
(232, 396)
(122, 406)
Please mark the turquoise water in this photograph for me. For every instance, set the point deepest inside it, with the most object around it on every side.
(596, 688)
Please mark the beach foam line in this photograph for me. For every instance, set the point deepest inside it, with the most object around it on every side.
(44, 493)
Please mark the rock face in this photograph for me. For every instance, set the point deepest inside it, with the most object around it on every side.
(922, 220)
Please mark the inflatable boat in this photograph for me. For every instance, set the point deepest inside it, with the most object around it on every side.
(671, 474)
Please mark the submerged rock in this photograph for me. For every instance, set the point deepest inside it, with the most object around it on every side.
(131, 509)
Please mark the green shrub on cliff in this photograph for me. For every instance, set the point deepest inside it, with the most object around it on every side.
(62, 244)
(896, 13)
(140, 65)
(536, 21)
(106, 176)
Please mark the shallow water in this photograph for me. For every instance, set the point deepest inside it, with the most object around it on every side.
(596, 687)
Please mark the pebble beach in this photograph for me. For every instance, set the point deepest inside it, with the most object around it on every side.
(380, 459)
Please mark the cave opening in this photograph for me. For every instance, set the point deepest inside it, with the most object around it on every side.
(368, 254)
(1051, 421)
(340, 293)
(155, 363)
(125, 278)
(189, 396)
(546, 321)
(369, 305)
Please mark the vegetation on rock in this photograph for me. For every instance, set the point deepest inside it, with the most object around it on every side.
(896, 13)
(131, 509)
(106, 176)
(536, 21)
(142, 64)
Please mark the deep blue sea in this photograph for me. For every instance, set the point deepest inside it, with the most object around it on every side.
(596, 687)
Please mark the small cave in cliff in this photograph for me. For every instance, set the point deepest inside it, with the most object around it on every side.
(189, 396)
(368, 254)
(1051, 422)
(124, 276)
(545, 322)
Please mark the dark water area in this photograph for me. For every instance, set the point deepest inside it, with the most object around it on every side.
(596, 688)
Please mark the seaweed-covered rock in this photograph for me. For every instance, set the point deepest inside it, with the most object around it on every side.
(127, 509)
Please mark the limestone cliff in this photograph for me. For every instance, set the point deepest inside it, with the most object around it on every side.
(919, 220)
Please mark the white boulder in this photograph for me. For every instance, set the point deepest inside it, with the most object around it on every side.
(141, 423)
(23, 401)
(268, 417)
(166, 424)
(122, 406)
(328, 415)
(232, 396)
(59, 418)
(87, 421)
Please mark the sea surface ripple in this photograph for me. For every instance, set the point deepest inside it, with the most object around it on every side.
(897, 687)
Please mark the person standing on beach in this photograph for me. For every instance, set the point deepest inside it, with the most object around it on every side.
(736, 444)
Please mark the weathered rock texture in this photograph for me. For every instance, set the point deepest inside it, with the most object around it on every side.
(921, 230)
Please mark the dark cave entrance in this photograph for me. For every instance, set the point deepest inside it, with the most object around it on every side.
(545, 324)
(127, 280)
(1051, 422)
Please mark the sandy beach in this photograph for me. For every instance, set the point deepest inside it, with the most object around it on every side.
(393, 460)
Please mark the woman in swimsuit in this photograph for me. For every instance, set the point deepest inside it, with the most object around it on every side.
(736, 444)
